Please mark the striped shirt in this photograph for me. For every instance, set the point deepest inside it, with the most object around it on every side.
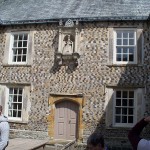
(4, 132)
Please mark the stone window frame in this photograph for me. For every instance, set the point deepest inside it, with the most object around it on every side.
(110, 106)
(7, 60)
(4, 97)
(124, 30)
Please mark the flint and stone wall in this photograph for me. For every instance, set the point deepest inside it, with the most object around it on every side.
(93, 73)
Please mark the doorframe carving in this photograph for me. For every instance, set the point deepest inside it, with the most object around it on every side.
(55, 98)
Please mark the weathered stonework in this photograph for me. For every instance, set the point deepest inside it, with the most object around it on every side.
(91, 77)
(75, 98)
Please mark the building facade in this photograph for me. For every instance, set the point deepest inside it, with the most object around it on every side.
(65, 79)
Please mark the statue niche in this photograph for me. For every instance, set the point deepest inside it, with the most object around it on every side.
(68, 45)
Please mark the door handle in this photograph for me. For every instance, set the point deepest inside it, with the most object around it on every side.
(69, 121)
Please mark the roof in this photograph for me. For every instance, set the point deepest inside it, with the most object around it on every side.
(39, 11)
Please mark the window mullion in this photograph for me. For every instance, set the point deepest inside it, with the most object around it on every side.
(122, 106)
(20, 42)
(14, 103)
(125, 39)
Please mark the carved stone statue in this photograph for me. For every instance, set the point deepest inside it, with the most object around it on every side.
(68, 46)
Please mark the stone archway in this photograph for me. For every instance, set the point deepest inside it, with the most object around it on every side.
(53, 99)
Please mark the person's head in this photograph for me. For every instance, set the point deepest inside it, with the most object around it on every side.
(1, 109)
(95, 142)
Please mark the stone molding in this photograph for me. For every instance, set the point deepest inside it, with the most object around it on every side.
(53, 99)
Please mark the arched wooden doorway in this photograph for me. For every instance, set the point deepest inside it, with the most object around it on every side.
(76, 100)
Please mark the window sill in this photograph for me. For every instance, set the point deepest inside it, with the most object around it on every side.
(125, 86)
(116, 128)
(17, 121)
(16, 65)
(124, 65)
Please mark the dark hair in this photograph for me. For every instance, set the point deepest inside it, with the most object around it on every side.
(1, 108)
(96, 139)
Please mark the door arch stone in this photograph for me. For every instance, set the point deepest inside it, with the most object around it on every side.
(53, 100)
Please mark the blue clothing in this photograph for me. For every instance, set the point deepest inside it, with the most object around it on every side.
(143, 145)
(4, 132)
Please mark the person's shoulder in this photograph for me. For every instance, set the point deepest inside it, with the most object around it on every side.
(3, 118)
(143, 145)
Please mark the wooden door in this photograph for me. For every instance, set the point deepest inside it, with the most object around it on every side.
(66, 116)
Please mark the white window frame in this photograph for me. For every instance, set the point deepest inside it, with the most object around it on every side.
(7, 104)
(115, 45)
(134, 112)
(10, 61)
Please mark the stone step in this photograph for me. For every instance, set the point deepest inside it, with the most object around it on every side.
(53, 146)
